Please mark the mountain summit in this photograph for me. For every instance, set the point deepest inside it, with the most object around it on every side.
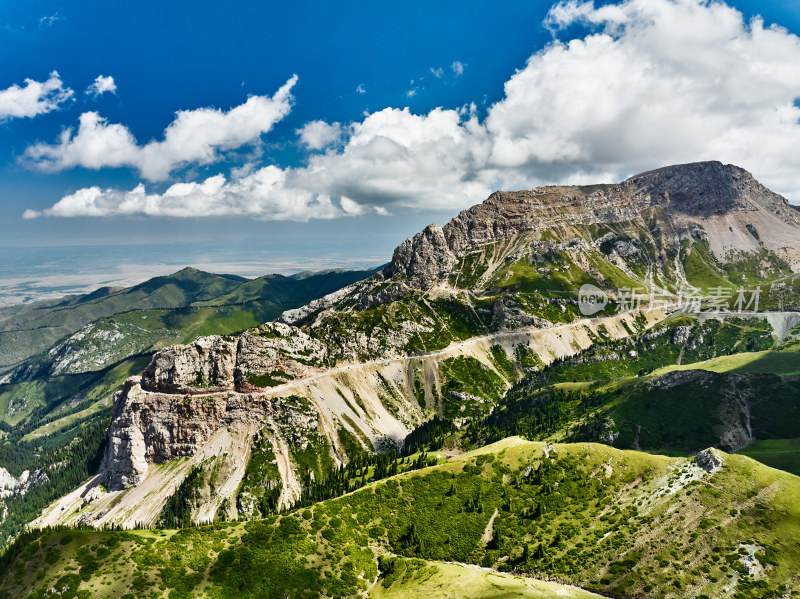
(722, 203)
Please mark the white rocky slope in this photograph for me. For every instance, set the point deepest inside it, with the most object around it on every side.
(156, 437)
(9, 485)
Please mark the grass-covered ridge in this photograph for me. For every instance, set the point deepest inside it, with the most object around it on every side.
(630, 393)
(622, 523)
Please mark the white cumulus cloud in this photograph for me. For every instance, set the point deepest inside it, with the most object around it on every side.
(194, 137)
(655, 82)
(261, 194)
(394, 157)
(649, 83)
(457, 68)
(101, 85)
(319, 134)
(34, 98)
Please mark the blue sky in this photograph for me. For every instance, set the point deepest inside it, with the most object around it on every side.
(400, 114)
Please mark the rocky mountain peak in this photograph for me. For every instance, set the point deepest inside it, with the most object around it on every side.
(702, 188)
(424, 258)
(686, 194)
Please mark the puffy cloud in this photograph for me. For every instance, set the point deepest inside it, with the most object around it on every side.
(438, 72)
(34, 98)
(457, 68)
(392, 158)
(101, 85)
(261, 194)
(319, 134)
(396, 158)
(654, 82)
(194, 137)
(266, 193)
(651, 82)
(360, 89)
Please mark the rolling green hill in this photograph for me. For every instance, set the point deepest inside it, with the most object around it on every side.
(617, 522)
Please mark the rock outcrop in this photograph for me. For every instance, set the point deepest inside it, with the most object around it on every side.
(158, 427)
(206, 365)
(11, 486)
(263, 357)
(709, 460)
(425, 258)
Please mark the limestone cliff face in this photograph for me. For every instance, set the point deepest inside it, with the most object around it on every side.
(149, 428)
(259, 358)
(9, 485)
(158, 427)
(203, 366)
(424, 258)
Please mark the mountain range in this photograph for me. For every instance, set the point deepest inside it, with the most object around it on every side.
(458, 408)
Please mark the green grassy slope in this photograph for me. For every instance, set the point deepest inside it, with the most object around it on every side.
(618, 522)
(422, 579)
(665, 413)
(777, 453)
(40, 324)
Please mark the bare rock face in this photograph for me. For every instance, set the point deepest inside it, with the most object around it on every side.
(709, 460)
(158, 427)
(149, 427)
(266, 356)
(7, 482)
(204, 366)
(273, 353)
(124, 463)
(705, 188)
(383, 296)
(9, 485)
(424, 258)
